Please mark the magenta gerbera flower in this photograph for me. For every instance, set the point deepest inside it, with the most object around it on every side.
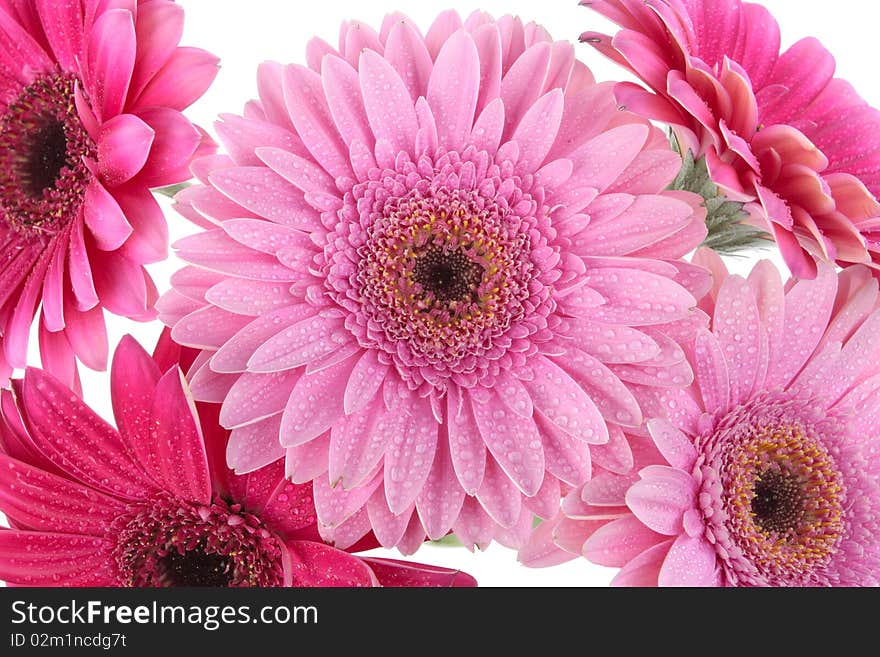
(437, 264)
(91, 95)
(766, 472)
(774, 128)
(153, 504)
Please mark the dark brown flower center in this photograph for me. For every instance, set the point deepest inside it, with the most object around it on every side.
(44, 158)
(166, 542)
(43, 148)
(448, 275)
(778, 502)
(196, 567)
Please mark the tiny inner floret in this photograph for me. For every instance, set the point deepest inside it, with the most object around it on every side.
(449, 275)
(781, 512)
(43, 175)
(164, 543)
(443, 276)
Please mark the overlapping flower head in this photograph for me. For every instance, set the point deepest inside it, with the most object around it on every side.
(91, 95)
(153, 503)
(777, 129)
(766, 473)
(434, 270)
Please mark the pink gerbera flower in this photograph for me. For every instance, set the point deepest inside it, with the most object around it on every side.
(153, 504)
(437, 264)
(779, 129)
(91, 95)
(765, 472)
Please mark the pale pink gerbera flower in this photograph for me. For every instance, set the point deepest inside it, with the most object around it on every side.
(766, 471)
(91, 95)
(153, 504)
(436, 266)
(776, 128)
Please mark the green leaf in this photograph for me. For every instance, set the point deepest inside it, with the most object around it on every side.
(450, 540)
(724, 218)
(172, 190)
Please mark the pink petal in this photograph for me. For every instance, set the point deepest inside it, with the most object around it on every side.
(408, 54)
(619, 542)
(342, 87)
(307, 105)
(183, 79)
(68, 432)
(148, 242)
(159, 27)
(808, 307)
(643, 570)
(305, 463)
(614, 344)
(232, 357)
(567, 458)
(176, 141)
(133, 378)
(625, 289)
(390, 109)
(266, 194)
(112, 49)
(407, 464)
(63, 25)
(317, 565)
(394, 573)
(564, 402)
(299, 344)
(123, 148)
(520, 86)
(388, 527)
(358, 442)
(176, 450)
(690, 562)
(453, 89)
(335, 505)
(365, 381)
(499, 496)
(537, 131)
(607, 392)
(466, 446)
(675, 446)
(255, 446)
(661, 498)
(514, 441)
(105, 219)
(304, 419)
(442, 496)
(48, 559)
(255, 397)
(35, 499)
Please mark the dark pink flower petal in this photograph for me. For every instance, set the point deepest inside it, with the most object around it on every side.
(391, 572)
(48, 559)
(38, 500)
(175, 440)
(316, 564)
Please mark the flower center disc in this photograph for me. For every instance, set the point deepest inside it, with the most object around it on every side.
(779, 515)
(166, 543)
(448, 275)
(43, 175)
(196, 567)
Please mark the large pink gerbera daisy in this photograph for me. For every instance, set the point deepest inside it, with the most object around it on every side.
(153, 504)
(91, 95)
(779, 129)
(766, 473)
(437, 264)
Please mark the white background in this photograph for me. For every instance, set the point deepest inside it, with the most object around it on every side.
(246, 33)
